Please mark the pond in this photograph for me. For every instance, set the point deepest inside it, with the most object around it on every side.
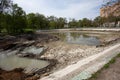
(78, 38)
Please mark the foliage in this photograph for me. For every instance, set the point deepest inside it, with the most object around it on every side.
(13, 20)
(98, 21)
(73, 23)
(4, 5)
(29, 31)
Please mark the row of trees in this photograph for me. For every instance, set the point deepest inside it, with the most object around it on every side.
(13, 19)
(97, 22)
(39, 21)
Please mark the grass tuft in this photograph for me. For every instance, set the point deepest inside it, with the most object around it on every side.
(94, 76)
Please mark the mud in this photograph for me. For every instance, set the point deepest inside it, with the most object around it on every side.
(13, 42)
(22, 41)
(58, 53)
(18, 73)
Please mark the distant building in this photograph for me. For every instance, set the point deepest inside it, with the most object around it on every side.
(113, 10)
(112, 24)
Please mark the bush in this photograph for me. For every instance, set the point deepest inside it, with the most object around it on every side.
(29, 31)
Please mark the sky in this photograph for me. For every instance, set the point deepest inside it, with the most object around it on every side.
(77, 9)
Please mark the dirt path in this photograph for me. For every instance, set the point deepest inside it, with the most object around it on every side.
(111, 73)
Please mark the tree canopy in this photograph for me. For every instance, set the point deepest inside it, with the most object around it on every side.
(14, 20)
(4, 5)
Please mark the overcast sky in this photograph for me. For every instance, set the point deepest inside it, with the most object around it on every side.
(77, 9)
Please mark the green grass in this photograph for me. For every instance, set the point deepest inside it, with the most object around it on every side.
(25, 31)
(113, 60)
(110, 62)
(29, 31)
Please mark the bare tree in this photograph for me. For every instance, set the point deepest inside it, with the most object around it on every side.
(4, 5)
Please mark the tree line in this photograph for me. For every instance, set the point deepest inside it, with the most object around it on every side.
(14, 20)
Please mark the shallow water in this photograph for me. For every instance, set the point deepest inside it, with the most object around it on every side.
(10, 62)
(78, 38)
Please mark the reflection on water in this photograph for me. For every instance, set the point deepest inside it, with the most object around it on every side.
(11, 62)
(77, 38)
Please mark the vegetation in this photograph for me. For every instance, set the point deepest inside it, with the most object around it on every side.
(113, 60)
(14, 20)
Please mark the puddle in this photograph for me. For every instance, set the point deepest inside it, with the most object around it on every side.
(11, 62)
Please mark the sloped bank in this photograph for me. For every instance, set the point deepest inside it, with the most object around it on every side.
(23, 73)
(84, 67)
(19, 43)
(110, 71)
(18, 73)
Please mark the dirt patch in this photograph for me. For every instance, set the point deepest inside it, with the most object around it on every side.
(111, 73)
(13, 42)
(16, 74)
(111, 42)
(68, 54)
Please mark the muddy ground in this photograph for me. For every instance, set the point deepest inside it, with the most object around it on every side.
(15, 74)
(18, 73)
(13, 42)
(64, 54)
(21, 41)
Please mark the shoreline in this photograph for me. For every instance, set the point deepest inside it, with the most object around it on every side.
(70, 71)
(81, 29)
(62, 54)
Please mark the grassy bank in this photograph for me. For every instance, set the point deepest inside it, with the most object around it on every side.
(106, 66)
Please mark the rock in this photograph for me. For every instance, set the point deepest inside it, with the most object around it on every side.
(30, 55)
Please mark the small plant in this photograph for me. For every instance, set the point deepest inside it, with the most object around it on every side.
(94, 76)
(110, 62)
(118, 55)
(29, 31)
(106, 66)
